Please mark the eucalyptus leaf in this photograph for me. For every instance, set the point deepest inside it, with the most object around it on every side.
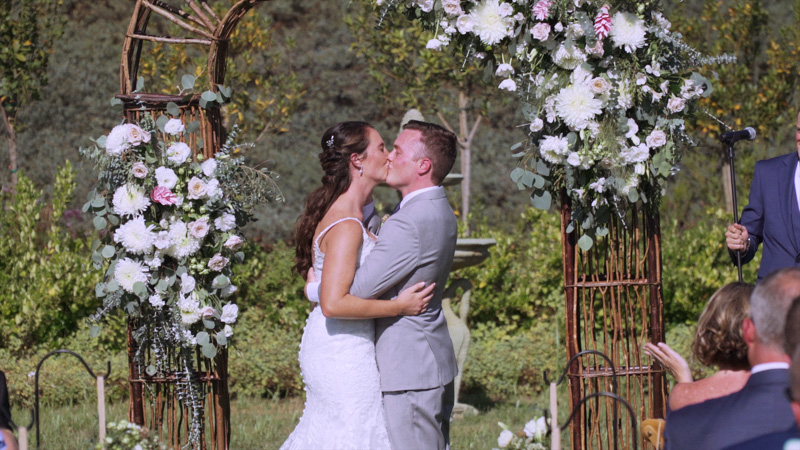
(587, 222)
(538, 182)
(208, 324)
(202, 338)
(220, 281)
(542, 201)
(601, 231)
(98, 202)
(173, 109)
(130, 307)
(94, 331)
(97, 259)
(187, 82)
(633, 196)
(113, 220)
(193, 126)
(209, 96)
(100, 290)
(140, 289)
(527, 178)
(516, 174)
(108, 251)
(161, 122)
(99, 223)
(115, 101)
(139, 84)
(95, 244)
(221, 338)
(112, 286)
(162, 285)
(542, 169)
(101, 141)
(570, 227)
(226, 91)
(220, 98)
(585, 242)
(180, 271)
(86, 207)
(209, 351)
(203, 103)
(150, 370)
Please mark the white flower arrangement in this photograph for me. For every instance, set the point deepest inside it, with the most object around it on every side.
(604, 77)
(532, 437)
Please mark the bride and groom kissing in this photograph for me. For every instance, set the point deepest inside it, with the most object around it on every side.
(383, 383)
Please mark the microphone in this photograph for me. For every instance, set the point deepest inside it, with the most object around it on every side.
(732, 137)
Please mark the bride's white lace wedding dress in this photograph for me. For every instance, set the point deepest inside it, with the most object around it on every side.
(343, 407)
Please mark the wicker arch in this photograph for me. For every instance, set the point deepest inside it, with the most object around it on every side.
(164, 412)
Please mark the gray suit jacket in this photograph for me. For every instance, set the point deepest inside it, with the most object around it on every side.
(416, 244)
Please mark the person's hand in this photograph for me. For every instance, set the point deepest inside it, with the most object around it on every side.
(671, 360)
(737, 238)
(414, 300)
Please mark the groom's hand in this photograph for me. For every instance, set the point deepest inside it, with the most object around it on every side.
(414, 300)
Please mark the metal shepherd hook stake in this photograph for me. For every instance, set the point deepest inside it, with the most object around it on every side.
(731, 138)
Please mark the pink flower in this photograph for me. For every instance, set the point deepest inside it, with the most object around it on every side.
(602, 23)
(207, 311)
(234, 243)
(163, 196)
(542, 9)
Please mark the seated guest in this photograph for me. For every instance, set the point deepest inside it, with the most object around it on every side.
(791, 331)
(717, 342)
(761, 406)
(7, 439)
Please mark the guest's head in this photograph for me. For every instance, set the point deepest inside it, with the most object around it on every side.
(794, 385)
(769, 304)
(423, 154)
(791, 329)
(719, 340)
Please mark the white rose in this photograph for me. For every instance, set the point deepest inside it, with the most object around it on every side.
(434, 44)
(599, 85)
(536, 428)
(174, 127)
(234, 243)
(656, 139)
(574, 160)
(536, 125)
(465, 24)
(212, 188)
(541, 31)
(225, 223)
(505, 438)
(209, 166)
(558, 27)
(139, 170)
(197, 189)
(228, 330)
(207, 311)
(136, 135)
(218, 262)
(166, 177)
(505, 10)
(187, 283)
(178, 152)
(452, 7)
(229, 313)
(199, 228)
(676, 104)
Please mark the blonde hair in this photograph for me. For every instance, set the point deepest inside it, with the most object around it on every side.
(719, 340)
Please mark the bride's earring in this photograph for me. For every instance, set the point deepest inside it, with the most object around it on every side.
(361, 171)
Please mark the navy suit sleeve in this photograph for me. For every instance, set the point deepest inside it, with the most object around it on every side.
(753, 217)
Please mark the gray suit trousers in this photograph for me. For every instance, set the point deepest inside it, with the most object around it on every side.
(427, 411)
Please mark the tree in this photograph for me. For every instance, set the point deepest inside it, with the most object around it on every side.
(28, 30)
(409, 75)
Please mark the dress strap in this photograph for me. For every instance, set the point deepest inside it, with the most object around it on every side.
(316, 241)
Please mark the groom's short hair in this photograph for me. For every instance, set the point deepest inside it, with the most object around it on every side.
(439, 145)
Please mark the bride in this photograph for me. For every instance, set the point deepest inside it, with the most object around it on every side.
(343, 407)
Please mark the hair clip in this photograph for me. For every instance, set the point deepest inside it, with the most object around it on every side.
(329, 142)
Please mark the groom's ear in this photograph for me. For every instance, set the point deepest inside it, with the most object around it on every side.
(424, 165)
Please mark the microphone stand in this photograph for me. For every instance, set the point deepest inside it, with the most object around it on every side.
(735, 206)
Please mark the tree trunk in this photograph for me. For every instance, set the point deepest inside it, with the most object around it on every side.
(8, 122)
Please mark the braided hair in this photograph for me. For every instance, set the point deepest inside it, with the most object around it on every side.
(338, 143)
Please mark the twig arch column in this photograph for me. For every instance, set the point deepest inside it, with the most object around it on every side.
(205, 28)
(614, 304)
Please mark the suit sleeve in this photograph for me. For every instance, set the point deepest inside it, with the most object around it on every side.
(394, 257)
(753, 218)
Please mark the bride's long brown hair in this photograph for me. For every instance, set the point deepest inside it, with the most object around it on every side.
(338, 143)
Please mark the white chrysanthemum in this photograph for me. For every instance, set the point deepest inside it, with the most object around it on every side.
(189, 308)
(117, 140)
(128, 272)
(129, 200)
(182, 243)
(178, 152)
(554, 148)
(225, 223)
(627, 31)
(229, 313)
(135, 236)
(508, 84)
(576, 105)
(490, 24)
(568, 58)
(161, 240)
(156, 301)
(209, 166)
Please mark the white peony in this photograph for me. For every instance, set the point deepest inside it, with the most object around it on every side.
(174, 127)
(209, 166)
(656, 139)
(490, 24)
(128, 272)
(627, 31)
(676, 104)
(554, 148)
(139, 170)
(505, 438)
(166, 177)
(225, 223)
(508, 84)
(541, 31)
(135, 236)
(536, 125)
(229, 313)
(129, 200)
(465, 24)
(576, 105)
(161, 240)
(188, 283)
(197, 189)
(178, 153)
(568, 58)
(218, 262)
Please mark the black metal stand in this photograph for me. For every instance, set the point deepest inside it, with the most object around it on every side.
(731, 159)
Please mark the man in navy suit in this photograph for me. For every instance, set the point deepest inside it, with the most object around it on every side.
(772, 217)
(761, 407)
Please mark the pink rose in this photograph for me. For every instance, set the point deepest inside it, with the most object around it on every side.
(207, 311)
(163, 196)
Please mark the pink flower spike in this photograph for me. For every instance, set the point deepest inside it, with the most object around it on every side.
(163, 196)
(542, 9)
(602, 23)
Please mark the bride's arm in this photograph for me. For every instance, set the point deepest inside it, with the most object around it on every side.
(341, 253)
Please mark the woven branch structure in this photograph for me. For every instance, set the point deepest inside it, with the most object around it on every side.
(614, 304)
(154, 400)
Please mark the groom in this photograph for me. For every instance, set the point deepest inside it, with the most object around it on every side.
(415, 355)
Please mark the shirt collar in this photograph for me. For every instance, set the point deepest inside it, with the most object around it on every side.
(411, 195)
(769, 366)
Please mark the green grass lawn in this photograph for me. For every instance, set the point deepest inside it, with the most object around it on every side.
(265, 423)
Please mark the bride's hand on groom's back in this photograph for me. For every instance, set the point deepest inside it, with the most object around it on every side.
(414, 300)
